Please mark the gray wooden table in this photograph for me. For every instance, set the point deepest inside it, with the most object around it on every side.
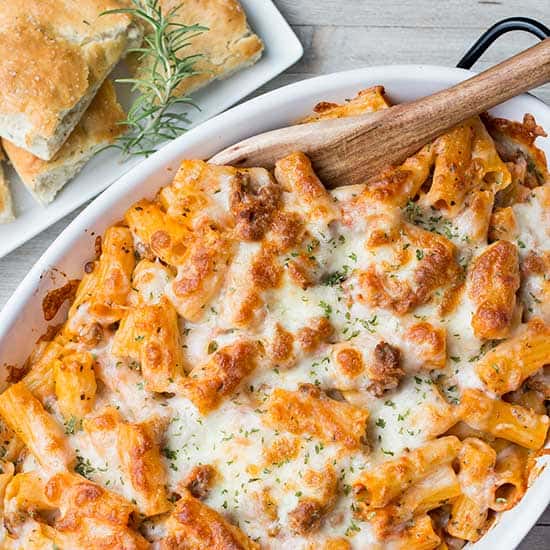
(347, 34)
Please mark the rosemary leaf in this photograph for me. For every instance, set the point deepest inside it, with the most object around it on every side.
(151, 119)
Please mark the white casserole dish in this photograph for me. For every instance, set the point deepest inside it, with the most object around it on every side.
(22, 322)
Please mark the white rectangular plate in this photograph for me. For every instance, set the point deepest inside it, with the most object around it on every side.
(282, 49)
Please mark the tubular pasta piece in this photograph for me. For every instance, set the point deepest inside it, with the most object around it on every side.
(435, 490)
(510, 479)
(429, 344)
(501, 419)
(503, 225)
(201, 272)
(140, 458)
(308, 411)
(436, 416)
(195, 526)
(76, 497)
(149, 282)
(517, 140)
(366, 101)
(296, 175)
(473, 221)
(38, 430)
(493, 281)
(101, 296)
(505, 367)
(40, 378)
(7, 470)
(138, 451)
(75, 384)
(24, 494)
(469, 511)
(418, 535)
(209, 384)
(241, 298)
(200, 194)
(37, 536)
(453, 151)
(379, 486)
(150, 334)
(487, 168)
(396, 186)
(85, 514)
(158, 233)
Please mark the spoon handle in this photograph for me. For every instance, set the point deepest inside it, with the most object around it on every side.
(352, 150)
(422, 120)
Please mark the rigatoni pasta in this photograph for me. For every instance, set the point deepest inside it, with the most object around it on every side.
(36, 428)
(469, 511)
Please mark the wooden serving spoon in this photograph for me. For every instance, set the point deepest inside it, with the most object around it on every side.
(351, 150)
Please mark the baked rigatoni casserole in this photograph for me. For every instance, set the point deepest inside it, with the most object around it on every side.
(252, 361)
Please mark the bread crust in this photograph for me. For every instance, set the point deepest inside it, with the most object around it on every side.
(228, 46)
(55, 55)
(98, 127)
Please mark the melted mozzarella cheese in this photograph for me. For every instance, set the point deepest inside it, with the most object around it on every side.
(234, 437)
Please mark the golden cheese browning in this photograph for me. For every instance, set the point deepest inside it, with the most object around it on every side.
(194, 525)
(102, 293)
(207, 385)
(371, 99)
(493, 283)
(310, 511)
(309, 412)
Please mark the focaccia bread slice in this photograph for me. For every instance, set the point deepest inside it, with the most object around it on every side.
(6, 203)
(99, 127)
(54, 55)
(228, 45)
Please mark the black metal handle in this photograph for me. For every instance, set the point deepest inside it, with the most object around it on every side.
(498, 29)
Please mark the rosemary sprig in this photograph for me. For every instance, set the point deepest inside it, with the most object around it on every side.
(153, 117)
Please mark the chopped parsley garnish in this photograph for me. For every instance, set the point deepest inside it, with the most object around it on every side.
(73, 425)
(84, 467)
(169, 453)
(336, 277)
(327, 308)
(212, 347)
